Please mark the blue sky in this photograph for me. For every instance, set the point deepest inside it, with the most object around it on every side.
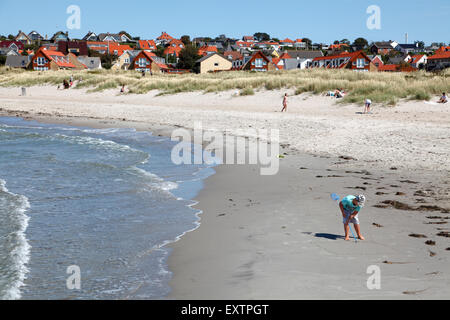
(321, 21)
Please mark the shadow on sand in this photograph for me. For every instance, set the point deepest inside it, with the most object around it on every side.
(329, 236)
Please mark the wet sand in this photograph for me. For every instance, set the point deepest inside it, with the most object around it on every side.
(281, 237)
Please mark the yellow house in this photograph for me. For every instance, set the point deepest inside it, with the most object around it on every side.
(212, 63)
(124, 61)
(274, 53)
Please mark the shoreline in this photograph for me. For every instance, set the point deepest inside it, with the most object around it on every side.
(264, 245)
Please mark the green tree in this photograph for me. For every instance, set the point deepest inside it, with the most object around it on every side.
(261, 36)
(420, 44)
(160, 51)
(188, 58)
(360, 43)
(11, 37)
(186, 40)
(345, 41)
(308, 42)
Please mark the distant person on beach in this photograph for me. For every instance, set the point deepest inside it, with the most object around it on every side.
(444, 98)
(123, 89)
(367, 106)
(350, 207)
(285, 101)
(66, 84)
(143, 73)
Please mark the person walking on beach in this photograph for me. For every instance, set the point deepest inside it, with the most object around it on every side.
(123, 89)
(285, 101)
(350, 207)
(367, 106)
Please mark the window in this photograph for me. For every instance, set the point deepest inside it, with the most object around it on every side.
(127, 60)
(360, 63)
(40, 61)
(142, 62)
(258, 63)
(216, 64)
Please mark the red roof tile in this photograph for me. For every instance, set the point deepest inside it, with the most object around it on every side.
(440, 55)
(165, 36)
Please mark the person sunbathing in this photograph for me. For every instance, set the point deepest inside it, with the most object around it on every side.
(444, 98)
(339, 93)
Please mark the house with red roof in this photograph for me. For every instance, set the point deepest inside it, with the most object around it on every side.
(108, 47)
(29, 52)
(207, 50)
(13, 45)
(418, 61)
(176, 43)
(287, 42)
(164, 38)
(172, 51)
(438, 61)
(442, 49)
(45, 60)
(299, 44)
(147, 62)
(147, 45)
(339, 47)
(249, 39)
(236, 58)
(118, 49)
(404, 67)
(377, 61)
(259, 62)
(245, 44)
(357, 61)
(278, 63)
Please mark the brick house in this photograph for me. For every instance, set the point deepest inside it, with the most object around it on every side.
(357, 61)
(45, 60)
(259, 62)
(147, 62)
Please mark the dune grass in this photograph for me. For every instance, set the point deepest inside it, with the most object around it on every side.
(380, 87)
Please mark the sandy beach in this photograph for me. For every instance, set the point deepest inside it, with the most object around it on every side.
(281, 237)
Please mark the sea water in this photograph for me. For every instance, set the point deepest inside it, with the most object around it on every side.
(106, 201)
